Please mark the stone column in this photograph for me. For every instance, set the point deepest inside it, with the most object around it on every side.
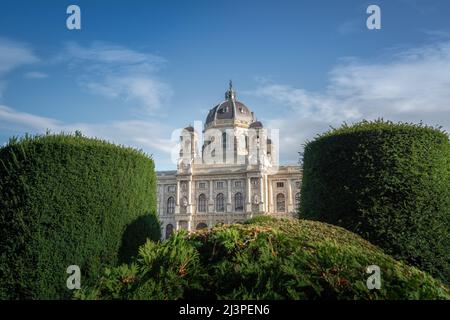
(189, 206)
(162, 203)
(261, 194)
(177, 203)
(229, 206)
(271, 209)
(290, 205)
(249, 196)
(266, 194)
(211, 200)
(190, 190)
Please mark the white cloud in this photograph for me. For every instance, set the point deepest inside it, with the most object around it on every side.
(412, 87)
(116, 72)
(18, 122)
(147, 135)
(35, 75)
(13, 55)
(110, 53)
(104, 69)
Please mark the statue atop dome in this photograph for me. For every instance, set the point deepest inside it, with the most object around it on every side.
(230, 94)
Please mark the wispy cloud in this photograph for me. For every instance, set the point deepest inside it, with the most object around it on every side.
(117, 72)
(111, 53)
(112, 71)
(412, 86)
(13, 55)
(35, 75)
(350, 27)
(16, 122)
(152, 137)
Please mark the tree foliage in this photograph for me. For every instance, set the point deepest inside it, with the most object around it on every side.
(263, 259)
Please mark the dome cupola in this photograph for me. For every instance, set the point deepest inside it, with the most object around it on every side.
(229, 112)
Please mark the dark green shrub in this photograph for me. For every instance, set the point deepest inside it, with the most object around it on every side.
(388, 182)
(67, 200)
(136, 235)
(269, 259)
(259, 219)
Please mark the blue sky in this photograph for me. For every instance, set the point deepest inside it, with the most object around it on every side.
(138, 70)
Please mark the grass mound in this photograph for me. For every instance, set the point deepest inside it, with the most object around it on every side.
(263, 259)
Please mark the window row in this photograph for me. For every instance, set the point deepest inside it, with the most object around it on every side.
(281, 184)
(238, 203)
(221, 184)
(202, 203)
(220, 202)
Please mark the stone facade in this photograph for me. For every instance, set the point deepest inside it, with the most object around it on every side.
(235, 177)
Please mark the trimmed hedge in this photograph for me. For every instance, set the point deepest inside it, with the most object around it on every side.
(263, 259)
(69, 200)
(388, 182)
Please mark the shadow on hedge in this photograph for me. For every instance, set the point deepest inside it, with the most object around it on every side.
(136, 234)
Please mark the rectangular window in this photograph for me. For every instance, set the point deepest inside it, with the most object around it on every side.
(171, 188)
(238, 184)
(219, 185)
(238, 202)
(280, 184)
(202, 185)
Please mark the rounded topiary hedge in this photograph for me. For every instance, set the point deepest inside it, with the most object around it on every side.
(263, 259)
(389, 182)
(69, 200)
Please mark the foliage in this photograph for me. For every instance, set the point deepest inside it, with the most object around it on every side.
(388, 182)
(264, 259)
(67, 200)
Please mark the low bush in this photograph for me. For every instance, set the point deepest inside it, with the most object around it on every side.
(264, 259)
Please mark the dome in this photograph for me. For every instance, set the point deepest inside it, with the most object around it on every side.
(230, 109)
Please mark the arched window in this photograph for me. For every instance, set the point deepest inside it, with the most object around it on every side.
(170, 205)
(238, 202)
(220, 207)
(202, 203)
(297, 201)
(169, 230)
(201, 225)
(280, 202)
